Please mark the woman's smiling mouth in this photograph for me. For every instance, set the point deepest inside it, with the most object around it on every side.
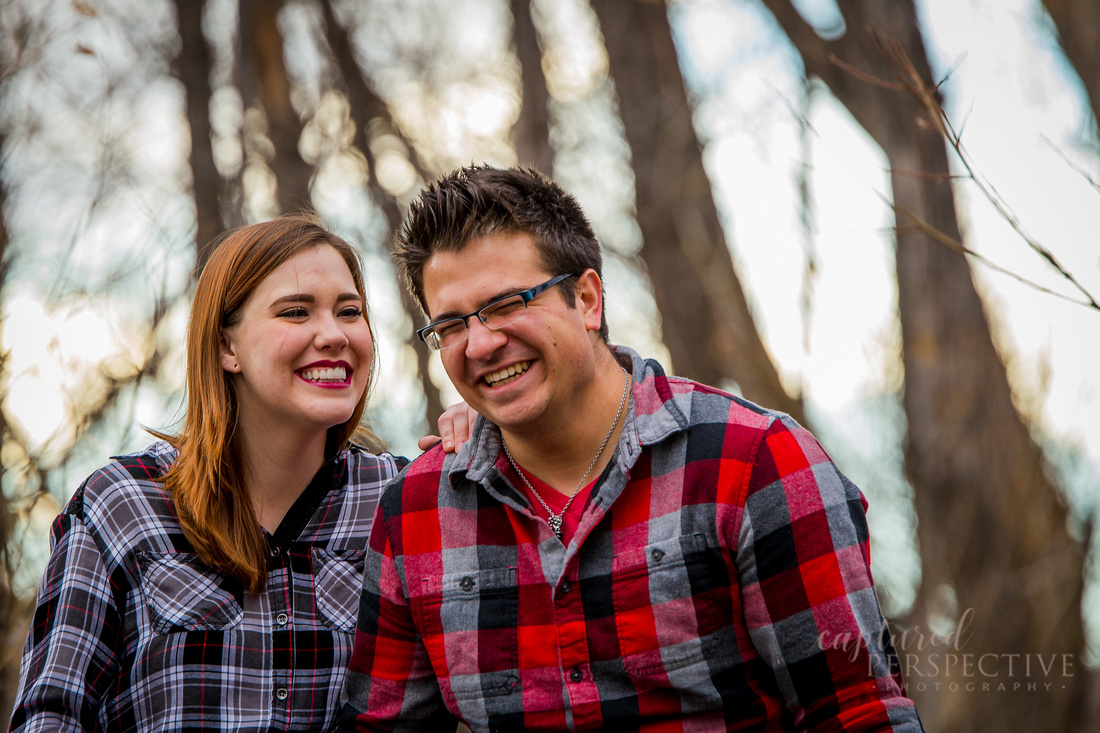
(325, 375)
(507, 375)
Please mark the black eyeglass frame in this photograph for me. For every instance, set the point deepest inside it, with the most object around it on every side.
(527, 295)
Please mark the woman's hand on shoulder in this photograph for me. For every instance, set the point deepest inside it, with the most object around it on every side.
(454, 426)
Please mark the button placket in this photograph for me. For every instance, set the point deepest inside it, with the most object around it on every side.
(279, 600)
(572, 632)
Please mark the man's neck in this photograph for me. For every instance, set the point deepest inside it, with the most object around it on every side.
(560, 456)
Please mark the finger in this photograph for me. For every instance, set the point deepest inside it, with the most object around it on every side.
(446, 425)
(427, 442)
(462, 424)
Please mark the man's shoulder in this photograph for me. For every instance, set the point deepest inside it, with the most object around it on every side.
(419, 482)
(693, 403)
(710, 402)
(427, 465)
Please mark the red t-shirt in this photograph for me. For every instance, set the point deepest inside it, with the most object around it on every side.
(555, 500)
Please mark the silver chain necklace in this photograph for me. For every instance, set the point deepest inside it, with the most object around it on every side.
(555, 519)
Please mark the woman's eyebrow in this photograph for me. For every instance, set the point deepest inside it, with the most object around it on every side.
(293, 298)
(308, 298)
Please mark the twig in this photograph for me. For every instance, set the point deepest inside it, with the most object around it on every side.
(1072, 165)
(925, 228)
(908, 80)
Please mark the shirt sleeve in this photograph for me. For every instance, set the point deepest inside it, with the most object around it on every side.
(70, 660)
(809, 599)
(390, 685)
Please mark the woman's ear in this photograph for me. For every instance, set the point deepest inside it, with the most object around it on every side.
(230, 362)
(590, 294)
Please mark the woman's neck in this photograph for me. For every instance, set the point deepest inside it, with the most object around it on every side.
(277, 468)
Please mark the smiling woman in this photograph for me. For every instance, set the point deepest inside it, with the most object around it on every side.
(212, 579)
(299, 352)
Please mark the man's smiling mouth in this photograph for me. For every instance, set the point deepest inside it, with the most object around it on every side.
(506, 375)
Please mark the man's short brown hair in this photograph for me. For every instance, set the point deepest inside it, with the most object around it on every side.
(478, 201)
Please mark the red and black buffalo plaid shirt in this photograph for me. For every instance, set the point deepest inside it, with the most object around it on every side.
(719, 560)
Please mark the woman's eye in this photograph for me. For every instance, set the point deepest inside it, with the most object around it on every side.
(351, 312)
(296, 312)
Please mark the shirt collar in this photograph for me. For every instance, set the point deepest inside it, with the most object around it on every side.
(330, 476)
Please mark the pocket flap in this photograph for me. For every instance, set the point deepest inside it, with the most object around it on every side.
(337, 583)
(183, 594)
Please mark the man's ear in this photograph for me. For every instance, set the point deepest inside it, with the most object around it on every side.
(590, 294)
(229, 359)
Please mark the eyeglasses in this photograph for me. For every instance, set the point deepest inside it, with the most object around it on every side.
(496, 315)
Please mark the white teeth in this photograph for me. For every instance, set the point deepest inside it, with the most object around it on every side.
(514, 370)
(331, 374)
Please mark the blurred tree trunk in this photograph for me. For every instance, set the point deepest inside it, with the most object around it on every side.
(992, 526)
(193, 67)
(707, 324)
(1078, 26)
(531, 133)
(368, 106)
(265, 83)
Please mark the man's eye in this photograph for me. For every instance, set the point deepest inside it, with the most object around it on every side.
(504, 309)
(508, 306)
(449, 328)
(295, 312)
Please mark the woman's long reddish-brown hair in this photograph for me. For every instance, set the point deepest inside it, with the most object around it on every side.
(207, 481)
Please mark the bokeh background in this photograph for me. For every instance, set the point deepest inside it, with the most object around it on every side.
(880, 217)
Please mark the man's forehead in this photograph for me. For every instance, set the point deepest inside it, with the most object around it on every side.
(486, 268)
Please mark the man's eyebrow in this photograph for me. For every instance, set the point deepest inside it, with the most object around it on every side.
(500, 294)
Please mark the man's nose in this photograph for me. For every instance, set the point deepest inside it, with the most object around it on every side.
(481, 341)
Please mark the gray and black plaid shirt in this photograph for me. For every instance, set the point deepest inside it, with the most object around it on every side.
(133, 633)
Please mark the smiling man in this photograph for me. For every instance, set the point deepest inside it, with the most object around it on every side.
(614, 548)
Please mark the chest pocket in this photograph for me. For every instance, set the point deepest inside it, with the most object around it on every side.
(337, 583)
(471, 632)
(183, 594)
(665, 610)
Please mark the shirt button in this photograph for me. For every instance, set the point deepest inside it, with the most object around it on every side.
(466, 583)
(657, 556)
(281, 693)
(576, 674)
(281, 619)
(565, 587)
(274, 552)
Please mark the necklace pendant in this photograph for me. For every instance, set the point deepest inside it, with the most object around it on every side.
(555, 524)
